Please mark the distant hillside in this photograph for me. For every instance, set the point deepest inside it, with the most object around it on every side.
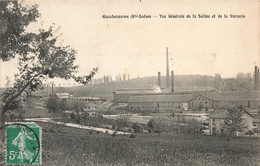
(181, 83)
(105, 89)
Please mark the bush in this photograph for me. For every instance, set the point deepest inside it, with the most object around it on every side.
(249, 132)
(114, 134)
(72, 115)
(132, 136)
(158, 125)
(138, 128)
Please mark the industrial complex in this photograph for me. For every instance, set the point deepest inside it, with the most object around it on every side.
(168, 99)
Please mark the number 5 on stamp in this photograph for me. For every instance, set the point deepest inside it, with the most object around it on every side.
(23, 142)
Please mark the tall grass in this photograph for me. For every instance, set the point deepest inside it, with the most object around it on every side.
(80, 147)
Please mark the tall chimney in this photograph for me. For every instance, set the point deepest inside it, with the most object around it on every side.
(159, 79)
(255, 78)
(167, 69)
(172, 81)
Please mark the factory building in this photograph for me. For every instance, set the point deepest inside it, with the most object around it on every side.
(192, 101)
(204, 100)
(123, 95)
(155, 99)
(159, 101)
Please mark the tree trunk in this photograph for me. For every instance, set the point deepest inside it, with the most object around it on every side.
(2, 118)
(2, 131)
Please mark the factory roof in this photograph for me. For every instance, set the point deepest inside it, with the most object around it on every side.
(191, 89)
(233, 96)
(215, 96)
(138, 90)
(62, 95)
(160, 98)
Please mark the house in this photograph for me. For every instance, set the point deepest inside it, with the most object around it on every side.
(216, 118)
(92, 112)
(256, 123)
(248, 99)
(226, 99)
(62, 95)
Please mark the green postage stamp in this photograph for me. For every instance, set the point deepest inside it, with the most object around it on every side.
(23, 143)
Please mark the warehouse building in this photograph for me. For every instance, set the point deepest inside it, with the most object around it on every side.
(123, 95)
(214, 100)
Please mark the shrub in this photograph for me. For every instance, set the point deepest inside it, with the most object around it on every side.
(158, 125)
(138, 128)
(249, 132)
(72, 116)
(114, 134)
(132, 136)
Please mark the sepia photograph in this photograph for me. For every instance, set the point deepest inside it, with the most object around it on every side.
(130, 83)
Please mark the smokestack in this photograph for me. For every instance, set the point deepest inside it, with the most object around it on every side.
(159, 79)
(255, 80)
(167, 69)
(172, 81)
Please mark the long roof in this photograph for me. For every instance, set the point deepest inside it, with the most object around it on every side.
(138, 91)
(62, 94)
(215, 96)
(234, 96)
(159, 98)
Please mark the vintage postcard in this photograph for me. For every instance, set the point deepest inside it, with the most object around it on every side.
(135, 82)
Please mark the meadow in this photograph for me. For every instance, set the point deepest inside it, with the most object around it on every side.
(69, 146)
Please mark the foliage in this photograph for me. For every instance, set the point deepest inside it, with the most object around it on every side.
(53, 104)
(14, 18)
(138, 128)
(63, 104)
(250, 132)
(41, 54)
(78, 147)
(233, 121)
(122, 122)
(158, 125)
(241, 82)
(193, 127)
(256, 130)
(73, 116)
(151, 125)
(132, 136)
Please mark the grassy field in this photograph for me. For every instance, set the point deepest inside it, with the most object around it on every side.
(81, 147)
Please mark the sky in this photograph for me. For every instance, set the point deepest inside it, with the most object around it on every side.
(137, 46)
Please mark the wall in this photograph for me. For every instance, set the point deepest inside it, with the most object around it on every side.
(201, 100)
(159, 105)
